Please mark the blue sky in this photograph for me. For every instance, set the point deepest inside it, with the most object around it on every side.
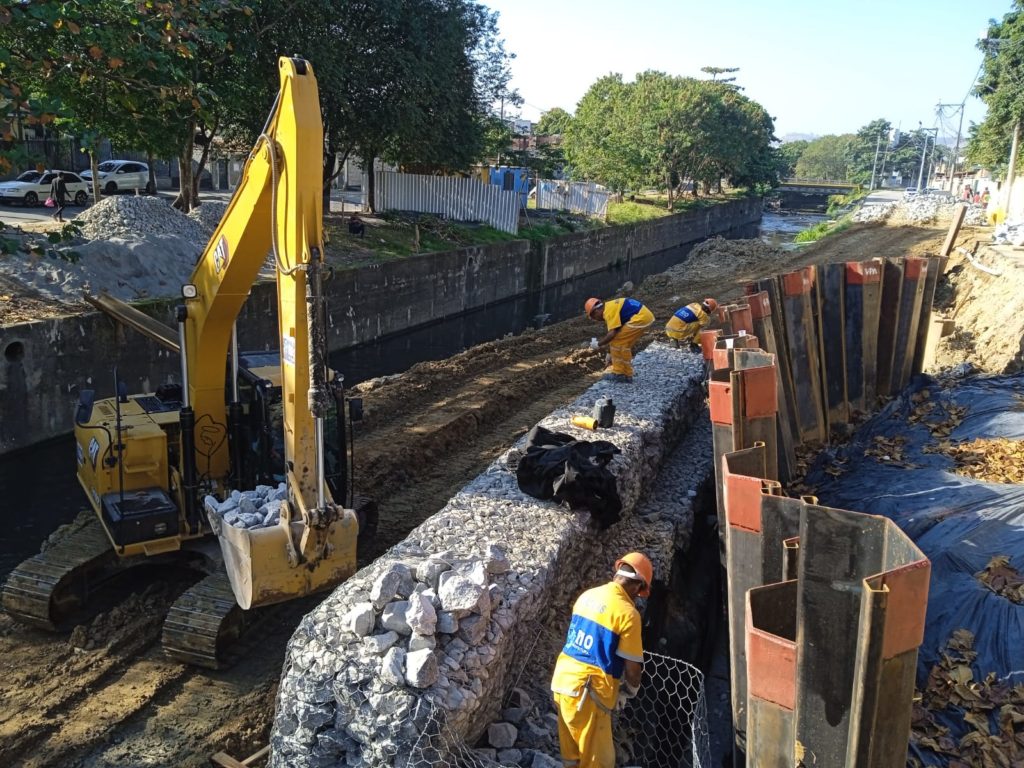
(824, 66)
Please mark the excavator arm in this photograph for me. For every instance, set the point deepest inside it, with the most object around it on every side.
(277, 208)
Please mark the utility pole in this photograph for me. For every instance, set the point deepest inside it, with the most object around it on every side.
(924, 154)
(878, 145)
(956, 148)
(1011, 172)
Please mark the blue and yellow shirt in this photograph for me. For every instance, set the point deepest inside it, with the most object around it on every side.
(619, 312)
(693, 313)
(604, 633)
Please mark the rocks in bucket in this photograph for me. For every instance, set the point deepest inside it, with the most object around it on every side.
(258, 508)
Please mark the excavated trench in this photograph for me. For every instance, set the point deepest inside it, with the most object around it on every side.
(497, 390)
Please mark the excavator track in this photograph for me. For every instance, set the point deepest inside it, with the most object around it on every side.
(204, 623)
(51, 590)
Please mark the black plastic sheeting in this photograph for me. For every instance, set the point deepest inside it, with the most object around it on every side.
(959, 523)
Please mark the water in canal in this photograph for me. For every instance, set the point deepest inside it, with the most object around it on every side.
(39, 485)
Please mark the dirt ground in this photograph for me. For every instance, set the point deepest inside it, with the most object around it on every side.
(105, 696)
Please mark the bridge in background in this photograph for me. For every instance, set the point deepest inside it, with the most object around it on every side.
(795, 194)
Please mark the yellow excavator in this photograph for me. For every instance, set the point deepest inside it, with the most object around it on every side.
(156, 466)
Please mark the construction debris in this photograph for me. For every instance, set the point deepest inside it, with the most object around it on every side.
(1011, 233)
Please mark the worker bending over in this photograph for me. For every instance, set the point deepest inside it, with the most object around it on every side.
(603, 645)
(626, 320)
(687, 322)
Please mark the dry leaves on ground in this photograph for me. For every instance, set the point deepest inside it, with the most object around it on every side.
(1002, 578)
(951, 683)
(805, 455)
(890, 450)
(996, 460)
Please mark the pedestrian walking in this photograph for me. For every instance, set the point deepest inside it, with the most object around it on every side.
(601, 664)
(59, 195)
(626, 320)
(687, 322)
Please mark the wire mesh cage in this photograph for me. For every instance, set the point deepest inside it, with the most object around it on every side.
(666, 724)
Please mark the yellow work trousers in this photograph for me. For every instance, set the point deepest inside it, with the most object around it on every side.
(682, 331)
(621, 349)
(584, 733)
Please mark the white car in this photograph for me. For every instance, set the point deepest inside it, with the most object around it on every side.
(118, 175)
(32, 187)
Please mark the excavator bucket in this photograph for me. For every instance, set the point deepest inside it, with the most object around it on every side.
(264, 567)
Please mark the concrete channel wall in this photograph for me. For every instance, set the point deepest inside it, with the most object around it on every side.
(46, 363)
(441, 626)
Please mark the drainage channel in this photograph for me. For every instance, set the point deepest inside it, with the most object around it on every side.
(39, 483)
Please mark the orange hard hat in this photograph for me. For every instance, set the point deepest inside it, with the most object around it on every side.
(642, 567)
(590, 305)
(711, 304)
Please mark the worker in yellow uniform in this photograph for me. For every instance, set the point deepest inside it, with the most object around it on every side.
(603, 645)
(687, 322)
(626, 320)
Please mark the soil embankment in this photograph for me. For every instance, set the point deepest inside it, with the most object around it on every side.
(106, 697)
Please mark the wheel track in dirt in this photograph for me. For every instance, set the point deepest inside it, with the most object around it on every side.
(426, 434)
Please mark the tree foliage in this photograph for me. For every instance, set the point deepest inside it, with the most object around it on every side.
(403, 80)
(663, 131)
(786, 156)
(553, 122)
(1001, 87)
(826, 157)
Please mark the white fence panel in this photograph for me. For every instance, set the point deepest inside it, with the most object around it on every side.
(452, 197)
(576, 196)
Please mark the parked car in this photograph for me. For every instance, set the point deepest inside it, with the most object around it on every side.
(910, 191)
(33, 186)
(118, 175)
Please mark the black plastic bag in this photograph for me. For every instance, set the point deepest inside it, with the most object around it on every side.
(559, 467)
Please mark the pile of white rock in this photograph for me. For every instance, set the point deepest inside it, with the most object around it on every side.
(208, 215)
(367, 668)
(258, 508)
(1009, 233)
(131, 216)
(923, 209)
(874, 212)
(977, 216)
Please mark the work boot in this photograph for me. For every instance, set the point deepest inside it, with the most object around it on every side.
(618, 378)
(695, 347)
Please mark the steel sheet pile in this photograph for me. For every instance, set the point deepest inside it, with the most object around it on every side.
(944, 461)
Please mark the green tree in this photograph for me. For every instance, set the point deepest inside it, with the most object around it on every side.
(553, 122)
(665, 131)
(861, 156)
(598, 143)
(786, 156)
(1001, 87)
(827, 157)
(988, 146)
(147, 73)
(716, 71)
